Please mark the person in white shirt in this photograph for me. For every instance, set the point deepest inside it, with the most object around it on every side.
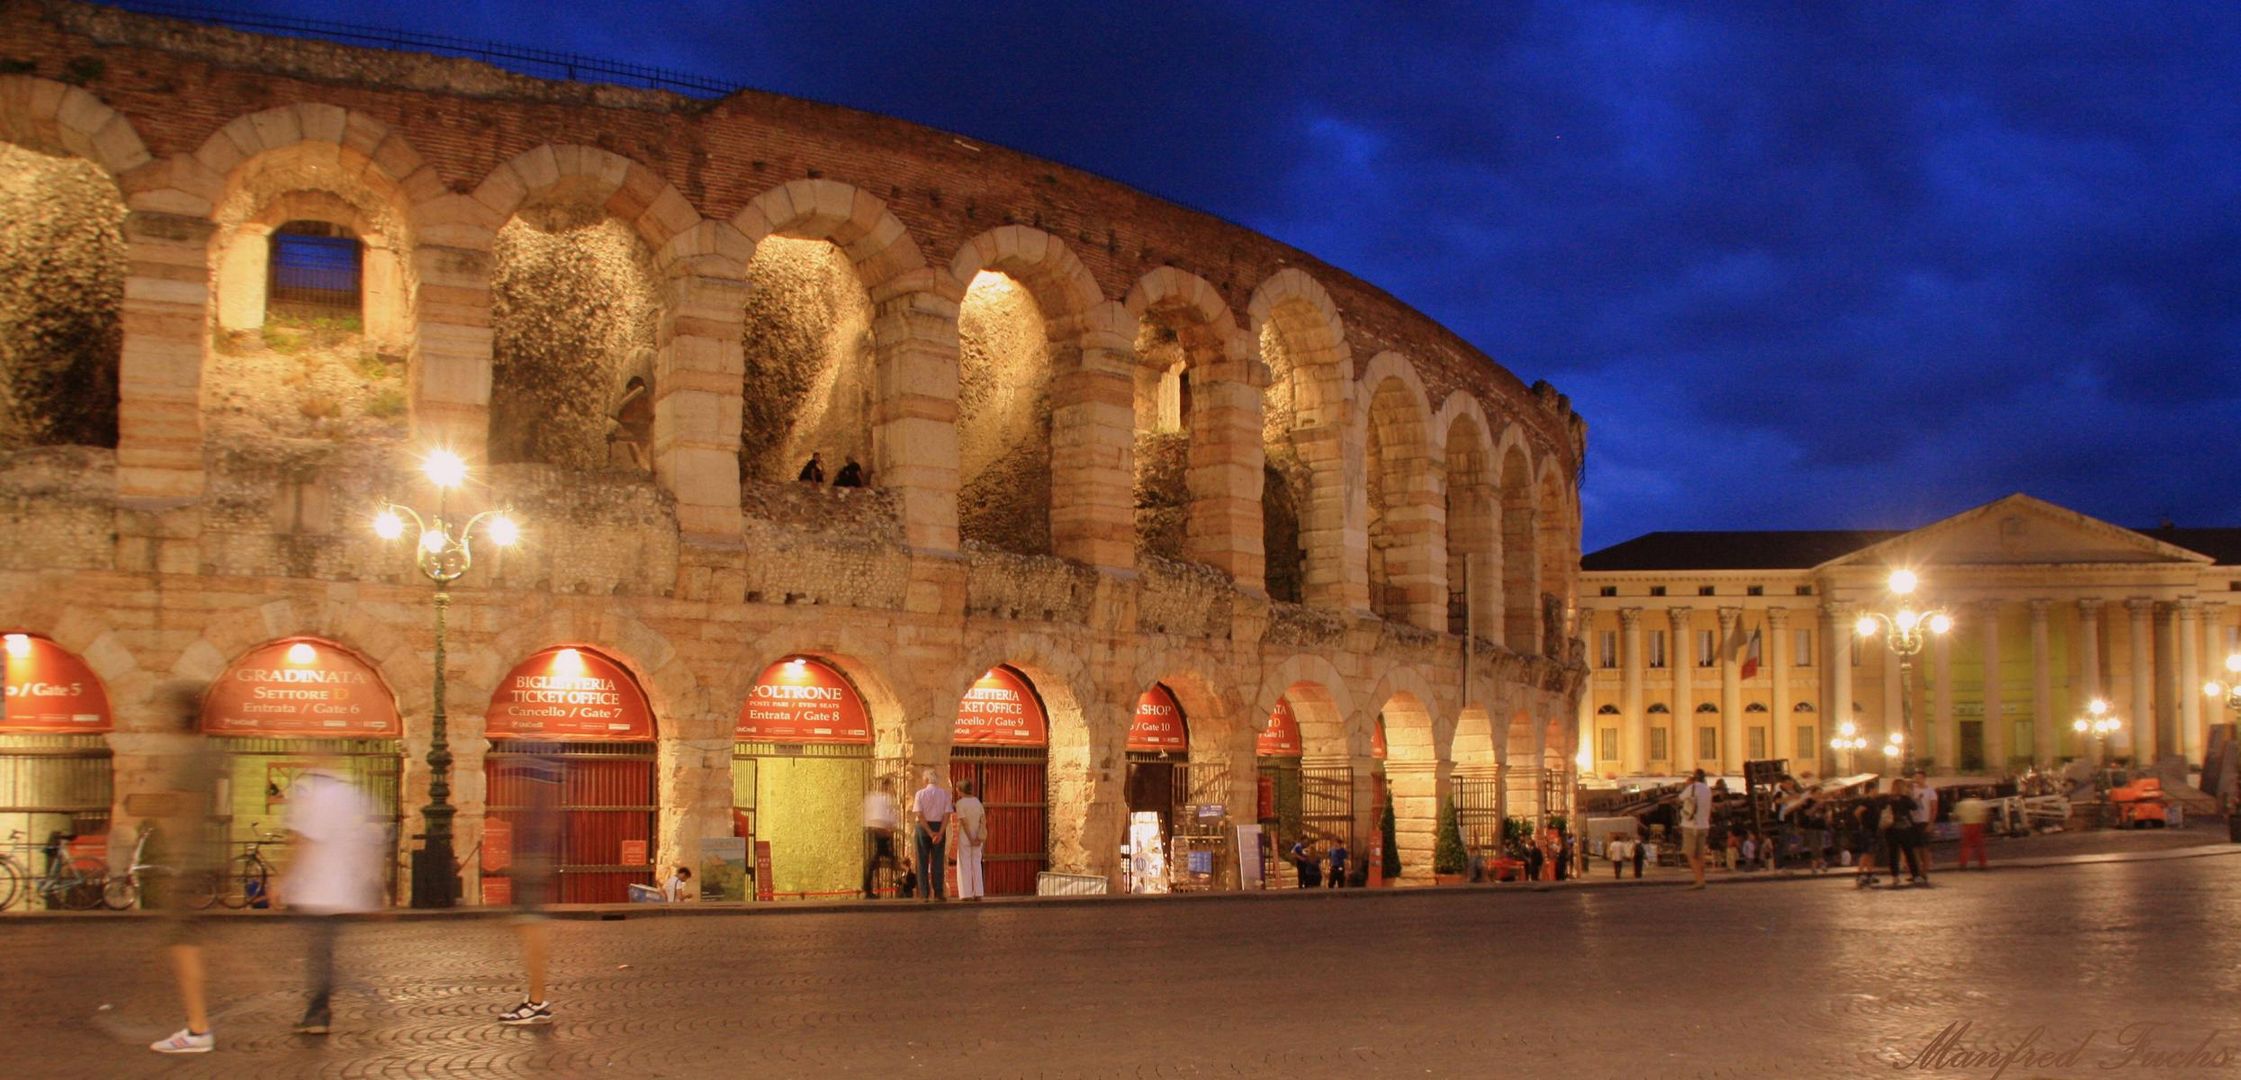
(334, 869)
(1925, 815)
(971, 833)
(673, 890)
(1696, 824)
(1619, 853)
(933, 808)
(881, 819)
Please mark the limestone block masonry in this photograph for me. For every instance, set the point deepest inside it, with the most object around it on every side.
(987, 333)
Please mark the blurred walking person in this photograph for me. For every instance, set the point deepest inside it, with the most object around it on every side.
(1696, 824)
(972, 840)
(535, 777)
(933, 807)
(881, 819)
(181, 813)
(334, 869)
(1972, 812)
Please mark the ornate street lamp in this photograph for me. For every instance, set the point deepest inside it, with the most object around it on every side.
(1849, 742)
(1904, 631)
(444, 551)
(2098, 723)
(2230, 690)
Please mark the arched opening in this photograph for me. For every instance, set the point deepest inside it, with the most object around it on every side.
(1477, 783)
(290, 706)
(1165, 355)
(1306, 779)
(575, 316)
(55, 768)
(1522, 774)
(1396, 464)
(1303, 509)
(1554, 544)
(570, 773)
(807, 340)
(62, 272)
(313, 298)
(1277, 751)
(1000, 744)
(1158, 759)
(1474, 568)
(801, 766)
(1003, 420)
(1521, 616)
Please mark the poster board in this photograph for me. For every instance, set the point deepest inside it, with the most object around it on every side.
(762, 872)
(1252, 866)
(723, 869)
(1147, 854)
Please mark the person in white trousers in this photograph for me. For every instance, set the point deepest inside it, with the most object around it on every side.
(972, 839)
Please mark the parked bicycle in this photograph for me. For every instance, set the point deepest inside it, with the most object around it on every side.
(125, 891)
(248, 876)
(71, 881)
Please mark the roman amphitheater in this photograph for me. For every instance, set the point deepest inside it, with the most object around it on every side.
(1158, 514)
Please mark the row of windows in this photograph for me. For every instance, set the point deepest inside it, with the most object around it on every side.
(1707, 649)
(1657, 708)
(1748, 590)
(1707, 742)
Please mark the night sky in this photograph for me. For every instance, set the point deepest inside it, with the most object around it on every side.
(1810, 265)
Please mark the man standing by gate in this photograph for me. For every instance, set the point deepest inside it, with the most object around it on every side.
(1696, 824)
(881, 819)
(932, 805)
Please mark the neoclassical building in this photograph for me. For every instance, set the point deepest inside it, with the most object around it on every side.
(1712, 648)
(1157, 513)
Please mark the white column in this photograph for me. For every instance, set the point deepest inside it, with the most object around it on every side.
(1781, 735)
(1631, 725)
(1996, 731)
(2042, 686)
(1836, 634)
(2166, 675)
(1731, 692)
(1948, 741)
(2141, 724)
(2089, 647)
(2190, 679)
(1680, 646)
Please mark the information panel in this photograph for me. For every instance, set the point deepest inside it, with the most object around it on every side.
(1158, 726)
(1000, 710)
(570, 694)
(301, 687)
(800, 700)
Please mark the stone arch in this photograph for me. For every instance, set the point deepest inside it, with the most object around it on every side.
(1304, 417)
(136, 700)
(1521, 616)
(1322, 702)
(858, 222)
(845, 647)
(1086, 736)
(1197, 429)
(1042, 402)
(1472, 502)
(1405, 558)
(65, 259)
(1416, 766)
(1221, 735)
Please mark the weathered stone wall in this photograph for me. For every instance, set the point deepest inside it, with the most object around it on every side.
(807, 342)
(1003, 418)
(574, 319)
(62, 271)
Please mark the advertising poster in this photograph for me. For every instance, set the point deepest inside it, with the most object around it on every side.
(1252, 870)
(300, 687)
(723, 869)
(568, 693)
(1147, 866)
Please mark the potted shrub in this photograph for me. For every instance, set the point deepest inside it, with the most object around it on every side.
(1449, 860)
(1389, 836)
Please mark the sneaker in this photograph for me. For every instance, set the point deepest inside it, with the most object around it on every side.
(313, 1027)
(528, 1012)
(186, 1042)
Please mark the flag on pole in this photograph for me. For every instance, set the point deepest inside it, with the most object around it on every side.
(1751, 655)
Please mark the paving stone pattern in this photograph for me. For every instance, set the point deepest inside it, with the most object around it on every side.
(1804, 978)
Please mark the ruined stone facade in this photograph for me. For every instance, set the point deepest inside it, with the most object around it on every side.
(635, 313)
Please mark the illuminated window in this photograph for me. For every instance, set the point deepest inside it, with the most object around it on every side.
(1804, 650)
(1607, 743)
(1607, 649)
(1708, 744)
(1657, 648)
(1707, 649)
(1758, 743)
(1658, 745)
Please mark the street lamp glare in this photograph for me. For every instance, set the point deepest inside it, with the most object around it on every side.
(388, 525)
(2213, 688)
(445, 469)
(1908, 619)
(1847, 729)
(1865, 627)
(2233, 663)
(2097, 707)
(432, 541)
(503, 531)
(2079, 724)
(1941, 623)
(1903, 582)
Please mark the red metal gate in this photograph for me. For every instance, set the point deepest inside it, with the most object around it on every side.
(1013, 785)
(607, 810)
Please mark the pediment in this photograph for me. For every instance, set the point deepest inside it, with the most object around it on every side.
(2017, 531)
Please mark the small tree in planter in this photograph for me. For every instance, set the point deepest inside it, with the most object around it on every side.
(1389, 836)
(1449, 860)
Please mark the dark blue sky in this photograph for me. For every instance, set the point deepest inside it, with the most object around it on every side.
(1800, 265)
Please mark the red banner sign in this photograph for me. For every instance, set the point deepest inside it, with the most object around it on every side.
(301, 686)
(1282, 737)
(1158, 727)
(800, 700)
(1000, 710)
(1377, 738)
(50, 690)
(566, 693)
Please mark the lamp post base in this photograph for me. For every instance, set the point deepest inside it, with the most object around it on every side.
(435, 877)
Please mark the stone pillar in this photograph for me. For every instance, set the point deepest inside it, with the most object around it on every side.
(914, 408)
(1996, 731)
(451, 349)
(694, 780)
(2166, 675)
(1632, 728)
(1680, 743)
(1416, 788)
(159, 371)
(2089, 647)
(1836, 645)
(1947, 744)
(1781, 736)
(1092, 441)
(2189, 691)
(2042, 687)
(2140, 726)
(1731, 691)
(1223, 527)
(698, 379)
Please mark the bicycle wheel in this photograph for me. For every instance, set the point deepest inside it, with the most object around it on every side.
(11, 882)
(244, 881)
(120, 893)
(79, 884)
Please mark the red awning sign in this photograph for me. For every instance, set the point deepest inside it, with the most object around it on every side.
(573, 694)
(50, 691)
(800, 700)
(1282, 737)
(301, 686)
(1000, 710)
(1158, 726)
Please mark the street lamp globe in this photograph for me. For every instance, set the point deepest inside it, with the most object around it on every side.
(503, 532)
(444, 469)
(388, 525)
(1903, 582)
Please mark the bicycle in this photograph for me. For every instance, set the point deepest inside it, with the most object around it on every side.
(72, 882)
(123, 893)
(248, 876)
